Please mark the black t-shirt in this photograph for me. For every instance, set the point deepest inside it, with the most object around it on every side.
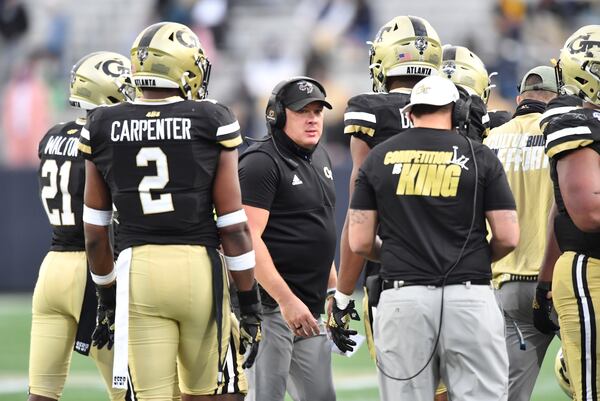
(297, 189)
(159, 159)
(61, 178)
(568, 128)
(421, 183)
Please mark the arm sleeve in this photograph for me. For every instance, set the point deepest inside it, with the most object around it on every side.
(363, 197)
(221, 125)
(572, 130)
(259, 180)
(85, 136)
(497, 195)
(359, 120)
(228, 133)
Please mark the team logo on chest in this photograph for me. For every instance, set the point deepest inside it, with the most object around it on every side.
(328, 173)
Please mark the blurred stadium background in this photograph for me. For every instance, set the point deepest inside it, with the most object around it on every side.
(252, 44)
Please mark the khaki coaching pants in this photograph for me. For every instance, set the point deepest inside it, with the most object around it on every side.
(471, 355)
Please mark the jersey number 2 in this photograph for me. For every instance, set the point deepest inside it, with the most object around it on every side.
(164, 203)
(50, 170)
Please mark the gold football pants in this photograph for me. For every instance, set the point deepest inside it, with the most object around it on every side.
(56, 308)
(576, 296)
(172, 326)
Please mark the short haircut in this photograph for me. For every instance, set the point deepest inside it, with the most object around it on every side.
(419, 110)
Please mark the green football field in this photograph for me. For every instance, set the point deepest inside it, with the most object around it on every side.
(354, 377)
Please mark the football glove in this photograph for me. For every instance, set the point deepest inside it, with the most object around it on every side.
(250, 318)
(104, 333)
(542, 308)
(338, 323)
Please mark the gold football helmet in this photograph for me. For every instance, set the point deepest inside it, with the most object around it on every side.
(562, 376)
(101, 78)
(465, 69)
(406, 45)
(169, 55)
(578, 67)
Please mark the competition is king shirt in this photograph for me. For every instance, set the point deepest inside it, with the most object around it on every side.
(61, 178)
(421, 182)
(159, 159)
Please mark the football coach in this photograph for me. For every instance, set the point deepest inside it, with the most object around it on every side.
(430, 191)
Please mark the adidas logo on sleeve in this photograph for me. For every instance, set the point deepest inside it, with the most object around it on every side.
(296, 180)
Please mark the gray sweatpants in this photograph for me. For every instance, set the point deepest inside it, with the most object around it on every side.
(284, 361)
(471, 355)
(516, 299)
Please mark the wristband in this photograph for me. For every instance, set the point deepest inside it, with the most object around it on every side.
(331, 292)
(249, 300)
(230, 219)
(97, 217)
(104, 280)
(342, 300)
(545, 285)
(244, 261)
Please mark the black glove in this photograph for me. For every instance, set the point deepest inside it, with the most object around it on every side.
(104, 333)
(338, 323)
(542, 307)
(250, 318)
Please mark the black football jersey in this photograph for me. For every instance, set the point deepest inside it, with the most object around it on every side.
(568, 128)
(375, 117)
(159, 159)
(61, 178)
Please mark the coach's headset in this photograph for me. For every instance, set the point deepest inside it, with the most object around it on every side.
(275, 113)
(461, 114)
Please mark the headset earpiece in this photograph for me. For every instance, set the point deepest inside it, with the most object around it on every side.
(461, 112)
(275, 111)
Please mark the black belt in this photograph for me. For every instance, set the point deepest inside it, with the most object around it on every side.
(389, 284)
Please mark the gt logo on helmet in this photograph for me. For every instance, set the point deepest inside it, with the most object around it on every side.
(187, 40)
(582, 44)
(114, 68)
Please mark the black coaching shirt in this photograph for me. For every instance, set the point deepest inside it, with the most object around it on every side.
(421, 182)
(159, 159)
(300, 197)
(61, 178)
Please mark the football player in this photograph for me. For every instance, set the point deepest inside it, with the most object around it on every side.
(572, 136)
(405, 50)
(165, 161)
(468, 72)
(64, 304)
